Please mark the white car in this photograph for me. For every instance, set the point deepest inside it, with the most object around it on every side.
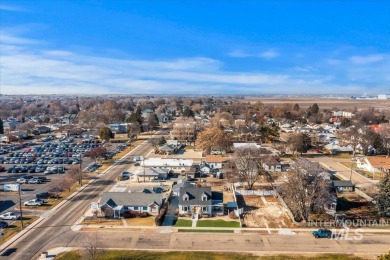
(9, 216)
(21, 181)
(34, 202)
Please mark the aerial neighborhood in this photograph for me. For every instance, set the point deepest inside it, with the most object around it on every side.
(189, 164)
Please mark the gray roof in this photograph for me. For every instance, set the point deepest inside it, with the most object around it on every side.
(195, 196)
(343, 184)
(130, 199)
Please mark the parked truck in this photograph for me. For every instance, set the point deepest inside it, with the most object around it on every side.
(11, 187)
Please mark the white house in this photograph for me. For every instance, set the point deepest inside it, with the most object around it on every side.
(169, 165)
(374, 164)
(215, 161)
(200, 201)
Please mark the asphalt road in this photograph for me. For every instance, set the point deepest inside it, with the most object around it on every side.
(370, 244)
(55, 229)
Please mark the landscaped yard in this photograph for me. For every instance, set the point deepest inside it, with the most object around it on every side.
(149, 221)
(152, 255)
(217, 223)
(16, 228)
(205, 231)
(103, 221)
(183, 223)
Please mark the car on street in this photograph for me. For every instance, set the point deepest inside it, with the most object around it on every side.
(34, 202)
(9, 216)
(322, 233)
(3, 224)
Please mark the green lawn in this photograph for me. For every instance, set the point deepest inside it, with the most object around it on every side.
(217, 223)
(183, 223)
(205, 231)
(152, 255)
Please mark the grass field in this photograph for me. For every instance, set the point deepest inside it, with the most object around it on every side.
(217, 223)
(148, 255)
(103, 221)
(205, 231)
(183, 223)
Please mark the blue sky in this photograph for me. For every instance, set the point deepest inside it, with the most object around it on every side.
(194, 47)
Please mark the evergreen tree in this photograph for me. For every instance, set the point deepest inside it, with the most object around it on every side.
(136, 116)
(296, 107)
(314, 109)
(383, 197)
(106, 134)
(188, 112)
(1, 126)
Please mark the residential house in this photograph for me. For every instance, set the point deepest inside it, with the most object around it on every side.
(215, 161)
(148, 174)
(374, 164)
(43, 129)
(115, 204)
(169, 148)
(200, 201)
(69, 119)
(245, 145)
(342, 114)
(119, 128)
(8, 138)
(180, 184)
(271, 164)
(341, 186)
(337, 149)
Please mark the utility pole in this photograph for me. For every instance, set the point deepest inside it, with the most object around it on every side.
(143, 161)
(80, 173)
(20, 207)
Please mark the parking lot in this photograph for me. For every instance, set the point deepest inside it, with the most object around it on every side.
(25, 163)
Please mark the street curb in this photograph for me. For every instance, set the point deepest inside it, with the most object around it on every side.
(40, 219)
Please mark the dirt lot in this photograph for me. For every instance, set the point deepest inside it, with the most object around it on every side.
(221, 186)
(263, 212)
(352, 204)
(326, 103)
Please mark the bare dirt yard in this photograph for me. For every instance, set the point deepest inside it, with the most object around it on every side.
(263, 212)
(221, 186)
(352, 204)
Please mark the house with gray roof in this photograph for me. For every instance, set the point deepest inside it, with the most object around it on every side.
(196, 201)
(120, 202)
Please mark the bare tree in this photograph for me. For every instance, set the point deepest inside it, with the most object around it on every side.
(96, 153)
(76, 174)
(248, 164)
(92, 245)
(306, 191)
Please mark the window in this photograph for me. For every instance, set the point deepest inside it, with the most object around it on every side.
(184, 208)
(145, 208)
(135, 208)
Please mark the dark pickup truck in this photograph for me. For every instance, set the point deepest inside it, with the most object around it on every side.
(322, 233)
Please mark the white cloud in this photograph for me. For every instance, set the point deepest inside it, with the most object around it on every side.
(367, 59)
(34, 69)
(12, 8)
(270, 54)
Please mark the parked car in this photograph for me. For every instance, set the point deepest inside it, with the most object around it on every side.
(21, 181)
(9, 216)
(2, 169)
(322, 233)
(34, 202)
(158, 190)
(3, 224)
(43, 195)
(34, 181)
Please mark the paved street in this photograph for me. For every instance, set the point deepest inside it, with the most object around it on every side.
(55, 229)
(345, 173)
